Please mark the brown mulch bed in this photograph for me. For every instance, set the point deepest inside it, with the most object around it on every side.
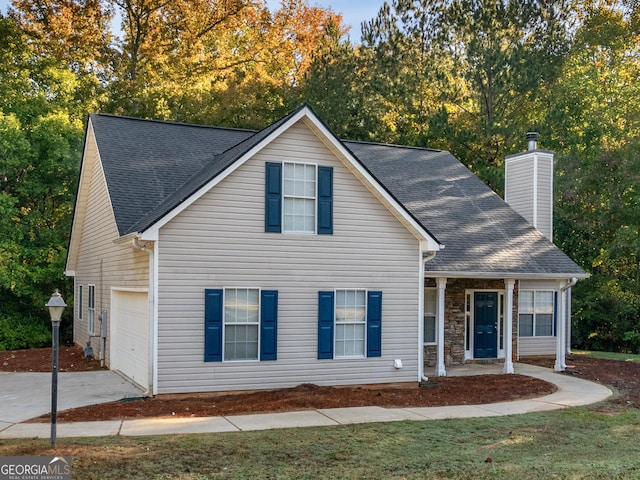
(623, 377)
(445, 391)
(70, 359)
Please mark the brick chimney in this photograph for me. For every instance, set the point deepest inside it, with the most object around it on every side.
(528, 185)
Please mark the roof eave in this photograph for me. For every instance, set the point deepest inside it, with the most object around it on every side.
(517, 275)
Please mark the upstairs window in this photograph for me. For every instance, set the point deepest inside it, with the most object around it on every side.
(299, 195)
(298, 198)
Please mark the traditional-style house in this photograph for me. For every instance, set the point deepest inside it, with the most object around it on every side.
(214, 259)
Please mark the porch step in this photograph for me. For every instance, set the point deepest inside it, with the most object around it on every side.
(485, 361)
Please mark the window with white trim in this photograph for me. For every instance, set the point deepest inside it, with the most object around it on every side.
(351, 323)
(299, 198)
(79, 302)
(430, 322)
(535, 313)
(241, 323)
(91, 310)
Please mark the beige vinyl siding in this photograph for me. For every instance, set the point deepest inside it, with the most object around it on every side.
(518, 189)
(533, 346)
(545, 195)
(219, 241)
(529, 188)
(101, 262)
(538, 284)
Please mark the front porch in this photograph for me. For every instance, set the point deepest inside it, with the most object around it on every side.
(493, 368)
(473, 324)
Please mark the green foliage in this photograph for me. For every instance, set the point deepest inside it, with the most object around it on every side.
(606, 315)
(40, 146)
(469, 76)
(18, 332)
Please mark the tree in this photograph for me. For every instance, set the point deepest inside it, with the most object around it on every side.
(72, 35)
(467, 75)
(594, 120)
(40, 142)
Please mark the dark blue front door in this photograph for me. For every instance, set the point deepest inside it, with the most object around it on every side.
(485, 340)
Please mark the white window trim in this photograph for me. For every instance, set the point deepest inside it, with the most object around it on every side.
(224, 324)
(435, 313)
(315, 200)
(80, 302)
(335, 323)
(534, 313)
(91, 311)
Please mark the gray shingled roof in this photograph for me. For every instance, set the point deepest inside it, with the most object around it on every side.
(151, 167)
(146, 161)
(481, 233)
(209, 170)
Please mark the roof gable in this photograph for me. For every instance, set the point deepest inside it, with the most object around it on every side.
(228, 161)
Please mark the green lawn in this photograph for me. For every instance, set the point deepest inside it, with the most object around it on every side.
(625, 357)
(571, 443)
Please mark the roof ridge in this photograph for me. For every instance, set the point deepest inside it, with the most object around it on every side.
(172, 122)
(395, 145)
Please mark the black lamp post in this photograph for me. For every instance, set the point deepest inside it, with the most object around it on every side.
(56, 306)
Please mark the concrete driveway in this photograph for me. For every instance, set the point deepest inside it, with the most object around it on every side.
(28, 395)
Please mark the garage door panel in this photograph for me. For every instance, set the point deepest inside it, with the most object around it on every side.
(130, 335)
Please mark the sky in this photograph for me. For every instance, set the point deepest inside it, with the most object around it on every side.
(354, 12)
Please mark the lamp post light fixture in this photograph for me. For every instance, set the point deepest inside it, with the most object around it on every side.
(56, 306)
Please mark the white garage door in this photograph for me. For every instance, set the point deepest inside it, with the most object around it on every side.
(130, 335)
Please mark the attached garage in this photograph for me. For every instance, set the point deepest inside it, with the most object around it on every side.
(129, 346)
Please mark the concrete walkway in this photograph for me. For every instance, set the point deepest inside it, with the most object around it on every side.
(28, 395)
(571, 392)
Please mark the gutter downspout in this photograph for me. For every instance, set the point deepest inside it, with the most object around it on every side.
(135, 242)
(430, 256)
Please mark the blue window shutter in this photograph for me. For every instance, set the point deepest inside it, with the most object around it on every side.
(268, 324)
(325, 325)
(213, 325)
(325, 200)
(273, 198)
(374, 324)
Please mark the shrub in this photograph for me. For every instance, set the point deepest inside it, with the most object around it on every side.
(17, 332)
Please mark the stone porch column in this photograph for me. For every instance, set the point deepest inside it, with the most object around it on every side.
(441, 283)
(508, 333)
